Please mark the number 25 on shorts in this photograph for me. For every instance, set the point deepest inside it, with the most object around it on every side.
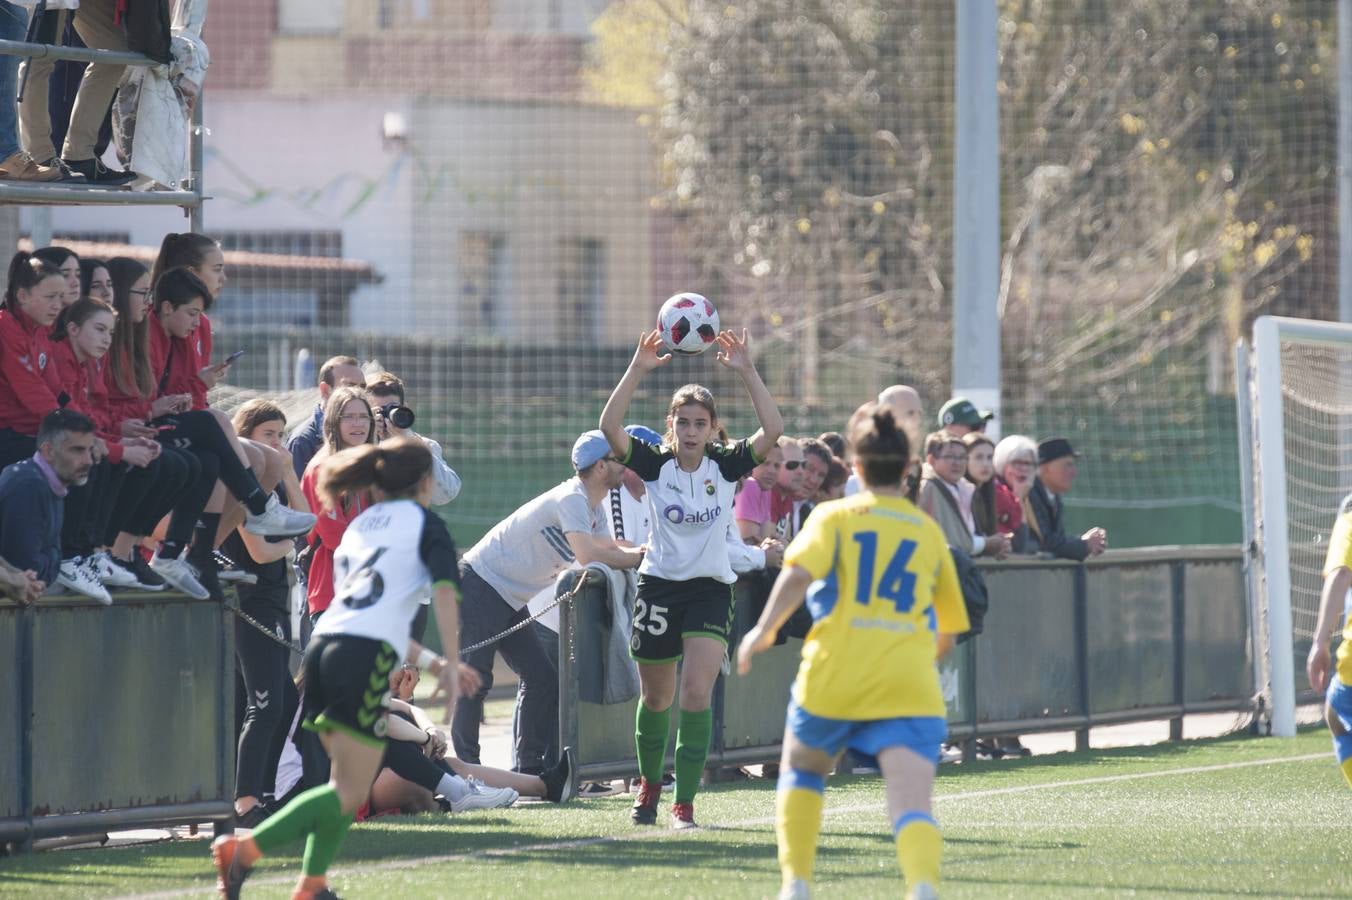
(897, 583)
(656, 616)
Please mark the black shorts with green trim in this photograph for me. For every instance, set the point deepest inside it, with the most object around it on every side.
(347, 686)
(667, 612)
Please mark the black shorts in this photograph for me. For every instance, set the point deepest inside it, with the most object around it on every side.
(667, 612)
(347, 686)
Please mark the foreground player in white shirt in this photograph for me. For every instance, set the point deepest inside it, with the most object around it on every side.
(684, 603)
(388, 555)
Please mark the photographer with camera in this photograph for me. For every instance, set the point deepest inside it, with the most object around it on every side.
(395, 419)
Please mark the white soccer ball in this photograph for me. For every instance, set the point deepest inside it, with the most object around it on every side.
(688, 323)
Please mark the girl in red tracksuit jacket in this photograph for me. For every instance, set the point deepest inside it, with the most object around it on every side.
(145, 481)
(201, 256)
(30, 385)
(348, 422)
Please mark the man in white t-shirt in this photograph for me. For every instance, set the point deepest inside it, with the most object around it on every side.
(522, 555)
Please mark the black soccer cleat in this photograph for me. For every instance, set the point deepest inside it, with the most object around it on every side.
(645, 807)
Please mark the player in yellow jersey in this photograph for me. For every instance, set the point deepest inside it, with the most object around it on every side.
(886, 604)
(1338, 696)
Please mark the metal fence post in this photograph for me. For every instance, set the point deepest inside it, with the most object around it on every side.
(1178, 600)
(568, 696)
(27, 624)
(1081, 614)
(197, 137)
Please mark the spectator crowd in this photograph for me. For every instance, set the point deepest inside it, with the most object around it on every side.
(119, 475)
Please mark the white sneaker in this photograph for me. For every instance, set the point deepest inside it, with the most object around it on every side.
(75, 574)
(279, 521)
(481, 796)
(113, 576)
(794, 890)
(180, 576)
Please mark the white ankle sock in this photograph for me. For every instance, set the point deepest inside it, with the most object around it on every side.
(452, 787)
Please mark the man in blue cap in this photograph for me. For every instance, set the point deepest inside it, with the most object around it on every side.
(499, 575)
(1056, 471)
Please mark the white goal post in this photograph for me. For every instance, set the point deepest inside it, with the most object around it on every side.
(1301, 387)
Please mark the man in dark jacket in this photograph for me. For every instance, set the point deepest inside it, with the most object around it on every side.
(32, 493)
(1056, 470)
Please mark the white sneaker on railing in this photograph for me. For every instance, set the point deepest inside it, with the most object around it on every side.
(180, 576)
(112, 576)
(279, 520)
(76, 575)
(481, 796)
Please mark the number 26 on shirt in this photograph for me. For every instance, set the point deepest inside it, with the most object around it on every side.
(897, 582)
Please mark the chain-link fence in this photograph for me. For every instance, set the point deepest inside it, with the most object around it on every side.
(492, 198)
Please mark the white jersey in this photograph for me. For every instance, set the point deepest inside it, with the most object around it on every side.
(630, 519)
(526, 551)
(690, 511)
(388, 556)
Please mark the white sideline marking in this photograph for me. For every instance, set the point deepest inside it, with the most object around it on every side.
(664, 834)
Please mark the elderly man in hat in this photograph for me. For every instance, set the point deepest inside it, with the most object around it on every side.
(1043, 511)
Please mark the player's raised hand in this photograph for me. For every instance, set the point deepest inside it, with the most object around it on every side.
(1317, 665)
(757, 640)
(734, 350)
(649, 354)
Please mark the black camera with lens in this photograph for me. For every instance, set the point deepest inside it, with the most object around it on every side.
(398, 415)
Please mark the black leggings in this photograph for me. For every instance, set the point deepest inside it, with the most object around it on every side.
(199, 433)
(271, 700)
(407, 760)
(15, 447)
(146, 495)
(79, 522)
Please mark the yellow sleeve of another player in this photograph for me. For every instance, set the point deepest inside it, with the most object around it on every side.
(814, 548)
(950, 611)
(1340, 545)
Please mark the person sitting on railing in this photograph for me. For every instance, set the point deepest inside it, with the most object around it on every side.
(1043, 510)
(138, 482)
(67, 262)
(32, 493)
(195, 374)
(31, 386)
(518, 558)
(96, 281)
(308, 438)
(96, 21)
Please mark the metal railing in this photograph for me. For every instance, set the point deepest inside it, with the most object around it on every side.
(58, 194)
(115, 716)
(1131, 636)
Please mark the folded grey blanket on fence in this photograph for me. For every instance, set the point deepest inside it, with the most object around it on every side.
(619, 683)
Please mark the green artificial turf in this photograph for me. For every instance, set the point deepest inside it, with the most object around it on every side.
(1193, 819)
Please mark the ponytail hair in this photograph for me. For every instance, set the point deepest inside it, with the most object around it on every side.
(129, 357)
(26, 271)
(880, 445)
(80, 312)
(394, 468)
(183, 250)
(179, 287)
(56, 256)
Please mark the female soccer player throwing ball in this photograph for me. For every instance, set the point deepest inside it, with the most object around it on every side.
(387, 557)
(885, 604)
(684, 602)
